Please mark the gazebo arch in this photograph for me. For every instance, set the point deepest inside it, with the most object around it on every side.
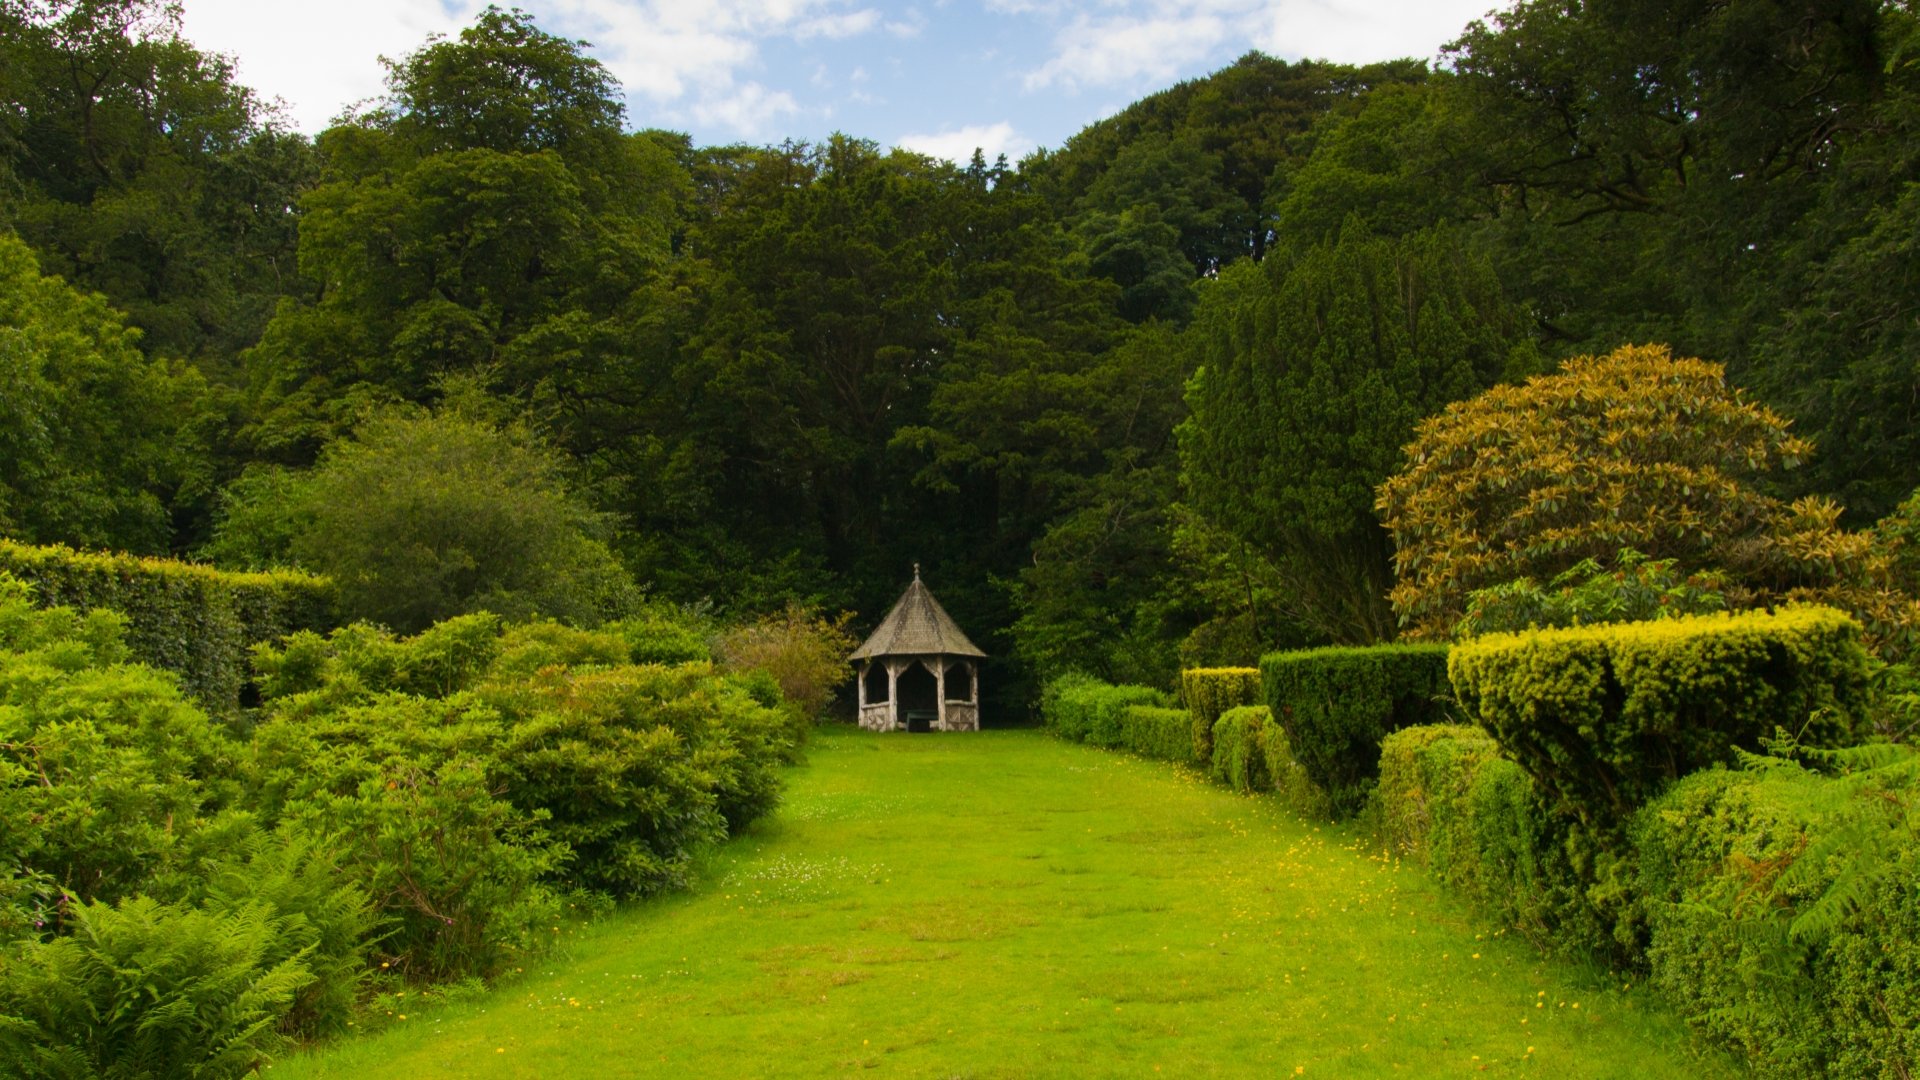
(916, 643)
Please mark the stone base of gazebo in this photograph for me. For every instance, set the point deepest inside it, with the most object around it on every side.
(955, 716)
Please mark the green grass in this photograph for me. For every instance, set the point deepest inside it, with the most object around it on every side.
(1004, 904)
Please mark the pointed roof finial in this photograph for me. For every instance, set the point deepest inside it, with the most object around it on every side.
(916, 571)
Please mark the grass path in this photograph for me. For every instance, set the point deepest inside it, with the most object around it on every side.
(1002, 905)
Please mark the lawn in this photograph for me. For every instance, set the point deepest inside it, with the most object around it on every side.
(1004, 904)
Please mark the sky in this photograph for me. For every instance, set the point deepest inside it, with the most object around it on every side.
(938, 76)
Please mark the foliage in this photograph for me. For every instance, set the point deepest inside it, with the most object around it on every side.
(1239, 752)
(93, 434)
(419, 518)
(1636, 449)
(192, 620)
(655, 634)
(1084, 709)
(1450, 801)
(1209, 692)
(1634, 590)
(144, 989)
(1336, 704)
(804, 650)
(1777, 908)
(1157, 732)
(1604, 717)
(1310, 375)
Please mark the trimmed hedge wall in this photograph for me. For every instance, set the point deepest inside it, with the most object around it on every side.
(1084, 709)
(1239, 749)
(1337, 704)
(1604, 717)
(1450, 802)
(1157, 732)
(195, 621)
(1209, 692)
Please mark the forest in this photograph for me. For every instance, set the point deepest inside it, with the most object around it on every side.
(420, 539)
(490, 342)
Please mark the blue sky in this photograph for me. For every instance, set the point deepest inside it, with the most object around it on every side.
(941, 77)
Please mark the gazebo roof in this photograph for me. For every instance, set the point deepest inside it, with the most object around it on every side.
(917, 626)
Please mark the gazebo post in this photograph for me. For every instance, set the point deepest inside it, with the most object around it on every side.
(893, 695)
(864, 668)
(940, 691)
(973, 682)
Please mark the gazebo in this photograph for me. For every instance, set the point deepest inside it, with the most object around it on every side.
(918, 672)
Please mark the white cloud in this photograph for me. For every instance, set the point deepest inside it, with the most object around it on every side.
(749, 109)
(958, 144)
(1127, 42)
(681, 57)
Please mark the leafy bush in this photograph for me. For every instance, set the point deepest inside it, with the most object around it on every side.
(804, 651)
(1604, 717)
(1084, 709)
(1337, 704)
(1155, 732)
(656, 634)
(145, 989)
(1291, 785)
(1634, 449)
(1777, 907)
(1635, 590)
(1450, 802)
(1208, 692)
(1239, 753)
(194, 621)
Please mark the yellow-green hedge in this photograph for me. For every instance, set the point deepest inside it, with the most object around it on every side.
(1604, 717)
(1156, 732)
(1209, 692)
(193, 620)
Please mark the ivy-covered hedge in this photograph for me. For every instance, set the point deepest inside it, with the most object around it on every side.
(1604, 717)
(1084, 709)
(1337, 704)
(1209, 692)
(1157, 732)
(195, 621)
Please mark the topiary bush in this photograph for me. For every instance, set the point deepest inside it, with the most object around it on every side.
(1337, 704)
(1208, 692)
(195, 621)
(1604, 717)
(1239, 752)
(1291, 785)
(1160, 733)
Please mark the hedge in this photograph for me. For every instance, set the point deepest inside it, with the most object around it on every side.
(1084, 709)
(1209, 692)
(1239, 749)
(195, 621)
(1475, 820)
(1604, 717)
(1157, 732)
(1729, 870)
(1336, 704)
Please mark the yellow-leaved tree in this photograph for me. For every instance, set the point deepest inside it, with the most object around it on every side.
(1636, 449)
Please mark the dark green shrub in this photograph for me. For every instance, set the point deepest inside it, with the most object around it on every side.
(1084, 709)
(1239, 753)
(1633, 590)
(144, 989)
(195, 621)
(1337, 704)
(1156, 732)
(1604, 717)
(1449, 801)
(1208, 692)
